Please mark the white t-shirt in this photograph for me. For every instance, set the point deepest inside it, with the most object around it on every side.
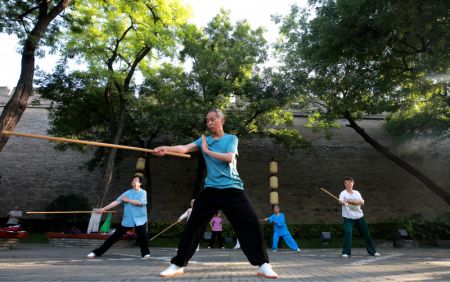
(14, 217)
(351, 211)
(187, 214)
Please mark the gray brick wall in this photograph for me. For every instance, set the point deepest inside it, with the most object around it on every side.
(33, 174)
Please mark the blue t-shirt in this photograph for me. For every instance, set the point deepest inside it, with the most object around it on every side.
(221, 174)
(134, 215)
(279, 225)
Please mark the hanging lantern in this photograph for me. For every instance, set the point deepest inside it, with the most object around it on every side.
(274, 198)
(140, 164)
(273, 182)
(273, 167)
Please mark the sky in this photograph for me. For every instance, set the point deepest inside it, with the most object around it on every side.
(256, 12)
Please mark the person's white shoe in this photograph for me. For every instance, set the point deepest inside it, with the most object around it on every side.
(91, 255)
(344, 255)
(147, 256)
(274, 251)
(267, 271)
(298, 250)
(377, 254)
(198, 248)
(172, 270)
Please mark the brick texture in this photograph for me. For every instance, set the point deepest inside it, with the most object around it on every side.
(33, 173)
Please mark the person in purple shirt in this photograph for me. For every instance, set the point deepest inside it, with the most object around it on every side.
(134, 216)
(216, 229)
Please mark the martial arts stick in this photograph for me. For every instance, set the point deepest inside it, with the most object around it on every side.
(63, 212)
(92, 143)
(323, 189)
(164, 230)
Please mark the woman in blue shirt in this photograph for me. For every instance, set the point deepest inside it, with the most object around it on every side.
(280, 230)
(134, 216)
(224, 190)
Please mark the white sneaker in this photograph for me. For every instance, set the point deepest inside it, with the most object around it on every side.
(377, 254)
(198, 248)
(147, 256)
(274, 251)
(344, 255)
(172, 270)
(298, 250)
(267, 271)
(91, 255)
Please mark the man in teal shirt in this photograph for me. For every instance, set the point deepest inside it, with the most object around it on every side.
(134, 216)
(224, 191)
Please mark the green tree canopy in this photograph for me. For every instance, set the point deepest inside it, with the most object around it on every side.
(34, 22)
(114, 39)
(366, 57)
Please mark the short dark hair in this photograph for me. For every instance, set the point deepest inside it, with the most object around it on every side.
(349, 179)
(139, 177)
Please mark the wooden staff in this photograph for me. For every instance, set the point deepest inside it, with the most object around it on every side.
(63, 212)
(99, 144)
(323, 189)
(164, 230)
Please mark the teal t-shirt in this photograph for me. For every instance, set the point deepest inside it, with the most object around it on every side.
(221, 174)
(134, 215)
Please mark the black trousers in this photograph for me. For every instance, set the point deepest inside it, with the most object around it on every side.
(142, 238)
(216, 235)
(236, 206)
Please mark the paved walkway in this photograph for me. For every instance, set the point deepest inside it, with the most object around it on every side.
(34, 262)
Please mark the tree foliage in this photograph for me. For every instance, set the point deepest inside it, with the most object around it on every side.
(366, 57)
(33, 23)
(22, 17)
(227, 73)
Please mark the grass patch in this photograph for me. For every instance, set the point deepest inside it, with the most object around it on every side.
(35, 237)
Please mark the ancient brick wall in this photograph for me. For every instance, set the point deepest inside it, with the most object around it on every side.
(33, 174)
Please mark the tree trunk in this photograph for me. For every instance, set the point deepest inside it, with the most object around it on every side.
(441, 192)
(199, 176)
(15, 107)
(111, 160)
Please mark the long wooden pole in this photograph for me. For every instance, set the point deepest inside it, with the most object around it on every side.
(93, 143)
(164, 230)
(63, 212)
(324, 190)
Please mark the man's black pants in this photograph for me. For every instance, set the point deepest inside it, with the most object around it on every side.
(236, 206)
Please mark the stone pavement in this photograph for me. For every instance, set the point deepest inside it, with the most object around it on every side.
(42, 262)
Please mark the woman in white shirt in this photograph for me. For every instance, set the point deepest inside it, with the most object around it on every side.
(351, 201)
(186, 216)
